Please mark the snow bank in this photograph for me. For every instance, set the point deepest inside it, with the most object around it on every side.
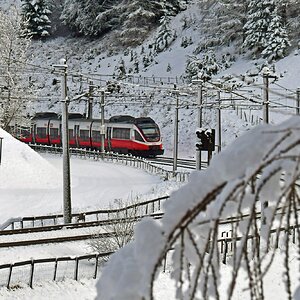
(21, 167)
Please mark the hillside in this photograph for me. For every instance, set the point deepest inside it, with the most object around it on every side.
(147, 79)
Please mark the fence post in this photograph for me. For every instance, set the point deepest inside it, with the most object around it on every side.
(55, 270)
(9, 276)
(96, 266)
(31, 274)
(76, 269)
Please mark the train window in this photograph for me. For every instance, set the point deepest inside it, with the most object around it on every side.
(96, 136)
(71, 134)
(53, 132)
(138, 137)
(84, 135)
(121, 133)
(150, 132)
(25, 133)
(41, 132)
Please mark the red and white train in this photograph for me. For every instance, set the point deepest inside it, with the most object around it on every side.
(123, 134)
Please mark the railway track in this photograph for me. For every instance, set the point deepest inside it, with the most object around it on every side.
(189, 164)
(63, 233)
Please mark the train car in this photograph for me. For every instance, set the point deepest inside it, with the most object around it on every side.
(22, 133)
(123, 134)
(46, 129)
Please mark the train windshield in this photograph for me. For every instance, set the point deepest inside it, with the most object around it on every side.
(150, 132)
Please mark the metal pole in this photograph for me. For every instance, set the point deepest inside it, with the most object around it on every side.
(199, 118)
(1, 149)
(175, 149)
(219, 123)
(102, 123)
(90, 102)
(266, 98)
(298, 102)
(65, 145)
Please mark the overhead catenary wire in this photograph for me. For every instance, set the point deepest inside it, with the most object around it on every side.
(159, 87)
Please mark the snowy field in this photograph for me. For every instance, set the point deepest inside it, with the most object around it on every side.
(31, 185)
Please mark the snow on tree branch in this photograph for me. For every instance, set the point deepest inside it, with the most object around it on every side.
(251, 191)
(14, 45)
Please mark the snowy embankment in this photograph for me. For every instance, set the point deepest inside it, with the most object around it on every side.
(32, 185)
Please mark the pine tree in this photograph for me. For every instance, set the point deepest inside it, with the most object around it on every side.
(222, 23)
(289, 10)
(165, 35)
(264, 31)
(36, 13)
(138, 20)
(133, 18)
(276, 39)
(169, 68)
(91, 17)
(120, 69)
(203, 68)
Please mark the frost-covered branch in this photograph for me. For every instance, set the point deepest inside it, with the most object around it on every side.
(258, 175)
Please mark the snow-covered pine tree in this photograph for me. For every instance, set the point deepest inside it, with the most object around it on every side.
(91, 17)
(276, 41)
(202, 68)
(222, 23)
(169, 68)
(165, 34)
(138, 20)
(262, 18)
(120, 69)
(36, 14)
(133, 18)
(136, 65)
(289, 10)
(175, 6)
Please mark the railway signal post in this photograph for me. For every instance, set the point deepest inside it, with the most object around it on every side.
(206, 141)
(67, 209)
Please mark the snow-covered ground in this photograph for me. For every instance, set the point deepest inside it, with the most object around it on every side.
(31, 184)
(22, 169)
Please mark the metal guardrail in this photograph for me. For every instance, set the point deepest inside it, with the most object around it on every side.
(144, 208)
(54, 269)
(125, 159)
